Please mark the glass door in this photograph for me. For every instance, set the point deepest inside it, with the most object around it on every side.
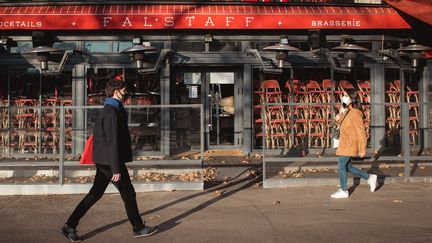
(220, 112)
(216, 90)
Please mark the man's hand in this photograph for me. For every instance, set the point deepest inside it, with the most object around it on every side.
(116, 177)
(362, 155)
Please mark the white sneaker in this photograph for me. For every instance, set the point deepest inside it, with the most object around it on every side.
(340, 194)
(372, 181)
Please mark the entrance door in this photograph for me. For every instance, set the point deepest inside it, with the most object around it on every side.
(216, 89)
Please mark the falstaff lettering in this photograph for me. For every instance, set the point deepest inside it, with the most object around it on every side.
(146, 21)
(20, 24)
(336, 23)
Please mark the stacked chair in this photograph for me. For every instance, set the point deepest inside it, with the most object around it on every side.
(25, 119)
(364, 91)
(274, 117)
(311, 124)
(393, 111)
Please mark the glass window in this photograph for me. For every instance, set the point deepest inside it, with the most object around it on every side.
(159, 45)
(391, 45)
(304, 46)
(261, 44)
(393, 94)
(225, 46)
(96, 80)
(24, 83)
(143, 88)
(3, 87)
(97, 46)
(23, 47)
(188, 46)
(65, 45)
(118, 46)
(57, 86)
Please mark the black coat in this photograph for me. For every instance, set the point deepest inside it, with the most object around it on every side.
(112, 141)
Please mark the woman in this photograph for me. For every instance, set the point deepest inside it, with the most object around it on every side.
(352, 142)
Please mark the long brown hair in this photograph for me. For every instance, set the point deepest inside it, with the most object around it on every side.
(354, 97)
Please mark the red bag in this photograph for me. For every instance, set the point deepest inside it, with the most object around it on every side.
(87, 156)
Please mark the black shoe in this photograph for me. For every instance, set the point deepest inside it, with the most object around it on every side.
(70, 233)
(146, 231)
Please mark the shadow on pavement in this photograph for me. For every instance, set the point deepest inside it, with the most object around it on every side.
(226, 189)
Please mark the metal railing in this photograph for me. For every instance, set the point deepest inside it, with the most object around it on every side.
(43, 145)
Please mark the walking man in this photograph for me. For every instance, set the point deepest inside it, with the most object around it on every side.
(111, 150)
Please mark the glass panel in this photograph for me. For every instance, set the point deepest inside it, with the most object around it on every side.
(118, 46)
(188, 46)
(58, 86)
(300, 126)
(412, 97)
(3, 87)
(225, 46)
(24, 84)
(97, 46)
(259, 45)
(258, 101)
(304, 46)
(221, 122)
(188, 87)
(143, 88)
(96, 80)
(159, 45)
(392, 111)
(65, 45)
(23, 47)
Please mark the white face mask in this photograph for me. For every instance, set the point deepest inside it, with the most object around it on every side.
(346, 100)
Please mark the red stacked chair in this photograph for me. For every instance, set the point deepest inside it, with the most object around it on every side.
(27, 118)
(299, 91)
(276, 124)
(364, 91)
(410, 96)
(318, 122)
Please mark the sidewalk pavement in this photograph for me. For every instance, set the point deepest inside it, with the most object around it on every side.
(240, 211)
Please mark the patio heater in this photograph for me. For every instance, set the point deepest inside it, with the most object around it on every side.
(350, 51)
(415, 53)
(282, 49)
(43, 53)
(138, 52)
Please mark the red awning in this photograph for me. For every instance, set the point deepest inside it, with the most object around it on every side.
(418, 9)
(198, 16)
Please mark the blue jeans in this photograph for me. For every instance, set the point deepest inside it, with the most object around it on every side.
(345, 165)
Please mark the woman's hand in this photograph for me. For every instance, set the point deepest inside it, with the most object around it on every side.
(338, 117)
(362, 155)
(341, 114)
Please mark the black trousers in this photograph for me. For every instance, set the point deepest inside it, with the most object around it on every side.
(100, 183)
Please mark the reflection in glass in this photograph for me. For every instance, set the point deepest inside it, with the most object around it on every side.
(97, 46)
